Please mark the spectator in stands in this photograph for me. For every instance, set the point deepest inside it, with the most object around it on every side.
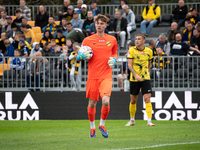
(174, 30)
(62, 59)
(124, 71)
(74, 35)
(123, 2)
(88, 30)
(160, 62)
(53, 45)
(16, 62)
(41, 19)
(36, 48)
(28, 33)
(109, 23)
(46, 38)
(7, 27)
(1, 58)
(69, 44)
(89, 19)
(151, 15)
(13, 30)
(46, 51)
(152, 44)
(69, 15)
(195, 42)
(63, 11)
(3, 20)
(37, 71)
(51, 26)
(188, 33)
(1, 9)
(83, 14)
(25, 11)
(162, 42)
(15, 41)
(79, 4)
(23, 48)
(181, 48)
(9, 47)
(64, 26)
(75, 70)
(60, 39)
(130, 16)
(119, 27)
(24, 22)
(192, 16)
(18, 19)
(2, 45)
(22, 36)
(76, 21)
(179, 12)
(198, 25)
(95, 10)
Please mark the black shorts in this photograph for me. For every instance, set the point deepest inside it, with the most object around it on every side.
(144, 85)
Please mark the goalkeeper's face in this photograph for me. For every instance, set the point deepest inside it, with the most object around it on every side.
(100, 26)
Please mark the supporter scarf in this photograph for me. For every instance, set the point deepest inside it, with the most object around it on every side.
(52, 29)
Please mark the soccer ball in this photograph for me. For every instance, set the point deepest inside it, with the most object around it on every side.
(87, 51)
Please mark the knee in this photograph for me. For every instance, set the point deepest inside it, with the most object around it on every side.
(133, 101)
(119, 76)
(92, 103)
(106, 101)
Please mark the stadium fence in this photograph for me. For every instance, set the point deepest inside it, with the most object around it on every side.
(179, 73)
(105, 9)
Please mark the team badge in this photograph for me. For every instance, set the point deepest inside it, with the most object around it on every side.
(108, 43)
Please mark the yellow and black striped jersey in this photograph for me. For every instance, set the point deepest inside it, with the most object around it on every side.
(141, 60)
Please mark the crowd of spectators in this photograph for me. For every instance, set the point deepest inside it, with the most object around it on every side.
(76, 23)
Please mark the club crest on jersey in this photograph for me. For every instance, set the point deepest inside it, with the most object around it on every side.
(108, 43)
(102, 40)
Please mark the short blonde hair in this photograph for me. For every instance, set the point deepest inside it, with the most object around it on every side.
(7, 42)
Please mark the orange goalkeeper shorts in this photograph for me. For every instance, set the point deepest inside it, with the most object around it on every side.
(94, 87)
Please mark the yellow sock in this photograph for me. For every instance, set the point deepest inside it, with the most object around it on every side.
(149, 110)
(132, 110)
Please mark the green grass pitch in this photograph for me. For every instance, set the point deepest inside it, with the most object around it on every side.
(74, 135)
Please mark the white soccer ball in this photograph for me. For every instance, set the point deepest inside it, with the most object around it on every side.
(87, 50)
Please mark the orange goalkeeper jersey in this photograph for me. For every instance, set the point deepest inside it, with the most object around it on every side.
(103, 48)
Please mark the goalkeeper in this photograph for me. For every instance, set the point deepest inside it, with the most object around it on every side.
(99, 80)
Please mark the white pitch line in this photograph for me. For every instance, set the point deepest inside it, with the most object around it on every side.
(153, 146)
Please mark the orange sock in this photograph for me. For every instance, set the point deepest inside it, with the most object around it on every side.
(104, 112)
(91, 113)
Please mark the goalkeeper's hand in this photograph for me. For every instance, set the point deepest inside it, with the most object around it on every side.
(81, 56)
(111, 62)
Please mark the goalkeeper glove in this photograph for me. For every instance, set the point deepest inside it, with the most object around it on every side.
(81, 56)
(111, 62)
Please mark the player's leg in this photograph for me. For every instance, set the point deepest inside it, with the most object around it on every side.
(93, 95)
(134, 91)
(146, 91)
(105, 93)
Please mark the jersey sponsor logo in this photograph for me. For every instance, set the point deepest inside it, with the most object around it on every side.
(102, 40)
(141, 52)
(176, 46)
(108, 43)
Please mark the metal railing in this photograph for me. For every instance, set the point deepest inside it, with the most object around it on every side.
(176, 74)
(105, 9)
